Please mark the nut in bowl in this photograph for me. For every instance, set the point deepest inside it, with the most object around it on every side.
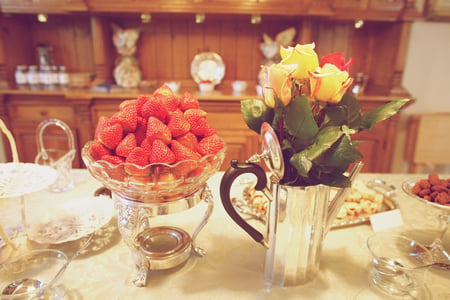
(431, 190)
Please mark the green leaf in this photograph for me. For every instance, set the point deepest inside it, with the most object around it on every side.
(300, 122)
(340, 156)
(255, 112)
(347, 112)
(303, 160)
(382, 113)
(335, 179)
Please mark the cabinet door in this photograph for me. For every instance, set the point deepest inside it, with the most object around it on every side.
(227, 119)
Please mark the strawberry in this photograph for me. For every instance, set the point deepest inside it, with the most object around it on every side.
(197, 119)
(140, 101)
(189, 140)
(182, 152)
(141, 130)
(158, 130)
(210, 145)
(101, 124)
(177, 123)
(97, 150)
(207, 128)
(169, 102)
(154, 108)
(138, 157)
(126, 145)
(114, 159)
(146, 145)
(188, 101)
(126, 102)
(161, 153)
(111, 135)
(127, 117)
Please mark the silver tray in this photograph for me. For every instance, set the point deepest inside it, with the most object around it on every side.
(388, 204)
(245, 207)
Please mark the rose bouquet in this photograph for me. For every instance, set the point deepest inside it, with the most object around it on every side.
(312, 115)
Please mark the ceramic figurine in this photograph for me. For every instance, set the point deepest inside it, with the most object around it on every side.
(271, 48)
(126, 73)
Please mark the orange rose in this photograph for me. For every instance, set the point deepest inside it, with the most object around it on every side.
(277, 83)
(303, 56)
(329, 83)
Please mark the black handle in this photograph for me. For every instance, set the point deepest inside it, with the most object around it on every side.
(228, 178)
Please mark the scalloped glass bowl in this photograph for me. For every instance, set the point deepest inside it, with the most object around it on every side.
(154, 182)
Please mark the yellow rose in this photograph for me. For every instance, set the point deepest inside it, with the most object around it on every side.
(303, 56)
(329, 83)
(277, 82)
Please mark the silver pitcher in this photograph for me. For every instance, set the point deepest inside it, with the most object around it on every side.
(297, 220)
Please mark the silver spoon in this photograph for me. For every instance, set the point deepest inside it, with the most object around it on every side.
(27, 285)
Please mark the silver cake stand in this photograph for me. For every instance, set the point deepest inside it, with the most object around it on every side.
(144, 193)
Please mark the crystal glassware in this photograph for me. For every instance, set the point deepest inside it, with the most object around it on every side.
(33, 275)
(143, 193)
(399, 264)
(443, 215)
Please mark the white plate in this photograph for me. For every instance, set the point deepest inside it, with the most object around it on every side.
(17, 179)
(208, 66)
(70, 220)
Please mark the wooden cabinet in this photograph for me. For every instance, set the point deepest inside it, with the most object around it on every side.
(81, 112)
(286, 7)
(168, 44)
(42, 6)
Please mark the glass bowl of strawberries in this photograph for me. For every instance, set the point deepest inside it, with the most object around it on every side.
(156, 148)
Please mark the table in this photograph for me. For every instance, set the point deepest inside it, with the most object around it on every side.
(233, 265)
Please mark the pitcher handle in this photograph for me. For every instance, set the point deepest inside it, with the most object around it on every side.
(228, 178)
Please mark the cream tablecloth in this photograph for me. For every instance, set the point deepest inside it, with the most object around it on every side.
(233, 265)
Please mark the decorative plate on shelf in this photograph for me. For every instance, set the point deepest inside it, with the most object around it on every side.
(208, 67)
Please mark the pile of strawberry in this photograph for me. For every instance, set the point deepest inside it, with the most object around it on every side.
(161, 128)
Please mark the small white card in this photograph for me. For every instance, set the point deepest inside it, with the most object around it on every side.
(386, 219)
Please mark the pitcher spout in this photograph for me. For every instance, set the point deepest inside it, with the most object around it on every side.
(335, 205)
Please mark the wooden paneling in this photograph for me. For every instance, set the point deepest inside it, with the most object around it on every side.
(70, 38)
(167, 46)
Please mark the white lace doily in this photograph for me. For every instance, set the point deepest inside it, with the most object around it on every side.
(18, 179)
(70, 220)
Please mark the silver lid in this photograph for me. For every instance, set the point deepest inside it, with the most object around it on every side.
(271, 152)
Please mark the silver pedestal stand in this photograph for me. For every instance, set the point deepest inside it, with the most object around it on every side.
(161, 247)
